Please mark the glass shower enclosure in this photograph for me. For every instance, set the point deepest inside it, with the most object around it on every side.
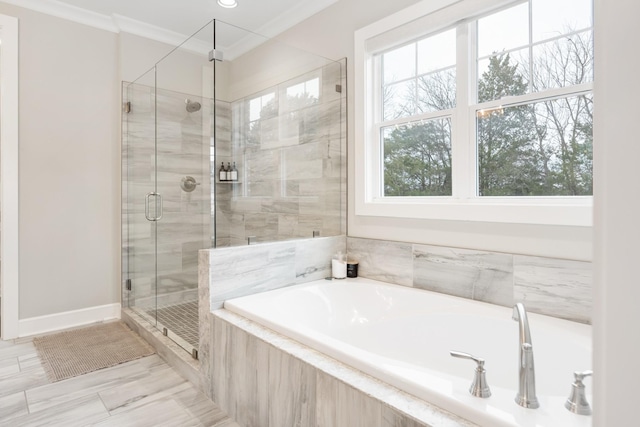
(270, 117)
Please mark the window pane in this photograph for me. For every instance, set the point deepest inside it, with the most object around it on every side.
(417, 159)
(503, 75)
(399, 100)
(399, 64)
(541, 149)
(505, 30)
(437, 91)
(563, 62)
(437, 52)
(553, 18)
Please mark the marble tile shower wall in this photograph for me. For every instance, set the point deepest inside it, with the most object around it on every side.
(292, 166)
(158, 163)
(555, 287)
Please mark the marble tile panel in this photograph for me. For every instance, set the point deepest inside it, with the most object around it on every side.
(205, 328)
(249, 269)
(177, 287)
(292, 391)
(190, 253)
(304, 169)
(483, 276)
(307, 224)
(280, 206)
(386, 261)
(264, 226)
(313, 257)
(555, 287)
(287, 226)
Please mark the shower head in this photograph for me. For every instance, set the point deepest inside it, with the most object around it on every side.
(192, 106)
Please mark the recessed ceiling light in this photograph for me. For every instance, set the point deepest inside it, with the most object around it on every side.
(228, 3)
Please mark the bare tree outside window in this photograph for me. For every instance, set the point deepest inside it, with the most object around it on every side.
(538, 144)
(544, 148)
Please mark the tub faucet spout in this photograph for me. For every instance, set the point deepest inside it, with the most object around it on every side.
(526, 396)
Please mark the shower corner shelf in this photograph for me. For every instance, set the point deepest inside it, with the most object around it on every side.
(228, 182)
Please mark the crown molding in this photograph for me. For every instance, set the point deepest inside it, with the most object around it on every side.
(68, 12)
(293, 16)
(142, 29)
(301, 11)
(118, 23)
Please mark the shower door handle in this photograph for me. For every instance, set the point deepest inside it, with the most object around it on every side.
(157, 197)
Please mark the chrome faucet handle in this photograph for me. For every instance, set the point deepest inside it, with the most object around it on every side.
(479, 386)
(577, 400)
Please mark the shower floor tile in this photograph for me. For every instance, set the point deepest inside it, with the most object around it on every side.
(181, 319)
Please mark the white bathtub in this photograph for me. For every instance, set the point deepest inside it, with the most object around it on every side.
(402, 336)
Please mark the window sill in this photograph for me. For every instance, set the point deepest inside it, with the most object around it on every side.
(541, 211)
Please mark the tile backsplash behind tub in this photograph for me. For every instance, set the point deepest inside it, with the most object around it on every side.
(555, 287)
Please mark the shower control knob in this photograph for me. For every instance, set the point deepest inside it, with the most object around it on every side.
(188, 184)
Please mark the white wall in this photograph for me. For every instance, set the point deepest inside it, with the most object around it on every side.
(181, 71)
(69, 165)
(617, 214)
(330, 34)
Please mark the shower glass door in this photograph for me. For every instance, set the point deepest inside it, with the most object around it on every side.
(168, 205)
(140, 203)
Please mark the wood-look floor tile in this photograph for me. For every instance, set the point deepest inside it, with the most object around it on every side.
(80, 412)
(12, 406)
(9, 366)
(123, 397)
(167, 413)
(200, 408)
(29, 361)
(17, 350)
(49, 395)
(22, 381)
(143, 392)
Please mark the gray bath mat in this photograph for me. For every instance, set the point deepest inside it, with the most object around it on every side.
(80, 351)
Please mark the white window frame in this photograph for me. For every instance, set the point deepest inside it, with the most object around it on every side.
(463, 205)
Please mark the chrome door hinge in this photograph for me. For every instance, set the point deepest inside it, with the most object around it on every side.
(128, 284)
(215, 55)
(126, 107)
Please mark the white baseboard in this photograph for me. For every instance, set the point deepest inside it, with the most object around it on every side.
(67, 319)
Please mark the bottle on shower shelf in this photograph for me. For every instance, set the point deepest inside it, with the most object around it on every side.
(222, 173)
(234, 173)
